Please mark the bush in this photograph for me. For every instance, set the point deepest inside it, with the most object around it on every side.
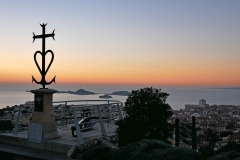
(206, 152)
(24, 111)
(6, 125)
(139, 149)
(97, 153)
(231, 146)
(232, 155)
(148, 149)
(153, 150)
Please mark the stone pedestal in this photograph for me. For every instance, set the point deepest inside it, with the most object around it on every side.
(43, 113)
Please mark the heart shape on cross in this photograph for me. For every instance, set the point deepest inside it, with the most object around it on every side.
(43, 62)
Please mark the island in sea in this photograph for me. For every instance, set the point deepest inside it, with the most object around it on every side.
(78, 92)
(84, 92)
(121, 93)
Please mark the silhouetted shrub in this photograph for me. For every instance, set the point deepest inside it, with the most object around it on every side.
(231, 146)
(97, 153)
(212, 137)
(225, 133)
(232, 155)
(147, 115)
(24, 111)
(206, 152)
(6, 125)
(27, 107)
(136, 149)
(148, 149)
(153, 150)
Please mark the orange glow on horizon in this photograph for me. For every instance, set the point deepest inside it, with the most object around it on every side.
(91, 71)
(187, 80)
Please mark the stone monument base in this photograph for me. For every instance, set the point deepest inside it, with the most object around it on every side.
(43, 116)
(50, 135)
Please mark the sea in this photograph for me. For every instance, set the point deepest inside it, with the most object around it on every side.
(16, 94)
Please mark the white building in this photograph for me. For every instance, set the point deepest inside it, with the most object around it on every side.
(202, 102)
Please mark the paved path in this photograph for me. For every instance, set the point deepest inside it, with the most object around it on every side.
(17, 145)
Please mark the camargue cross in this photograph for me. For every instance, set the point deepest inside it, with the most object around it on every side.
(42, 71)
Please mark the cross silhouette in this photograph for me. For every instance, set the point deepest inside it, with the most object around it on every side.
(42, 71)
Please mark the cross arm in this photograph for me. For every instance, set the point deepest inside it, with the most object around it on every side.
(44, 36)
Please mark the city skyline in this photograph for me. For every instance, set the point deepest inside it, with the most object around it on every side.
(181, 43)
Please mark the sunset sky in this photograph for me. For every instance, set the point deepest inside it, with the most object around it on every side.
(181, 42)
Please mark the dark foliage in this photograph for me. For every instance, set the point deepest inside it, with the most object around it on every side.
(9, 109)
(225, 133)
(147, 114)
(231, 146)
(97, 153)
(212, 137)
(206, 152)
(27, 107)
(232, 155)
(24, 111)
(6, 125)
(2, 112)
(230, 126)
(143, 150)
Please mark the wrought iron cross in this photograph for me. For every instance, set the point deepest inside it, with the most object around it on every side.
(43, 72)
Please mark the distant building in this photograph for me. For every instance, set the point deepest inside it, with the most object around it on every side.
(202, 103)
(191, 106)
(29, 104)
(24, 119)
(196, 115)
(16, 107)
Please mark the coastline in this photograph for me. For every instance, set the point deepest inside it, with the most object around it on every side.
(177, 97)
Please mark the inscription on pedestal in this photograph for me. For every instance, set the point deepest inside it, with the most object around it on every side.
(35, 132)
(38, 103)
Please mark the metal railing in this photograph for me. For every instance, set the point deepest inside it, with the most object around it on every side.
(91, 115)
(102, 114)
(218, 132)
(204, 131)
(185, 133)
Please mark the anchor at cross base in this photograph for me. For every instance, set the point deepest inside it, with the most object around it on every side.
(42, 71)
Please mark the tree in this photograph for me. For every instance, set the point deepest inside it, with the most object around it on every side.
(2, 112)
(212, 137)
(147, 117)
(6, 125)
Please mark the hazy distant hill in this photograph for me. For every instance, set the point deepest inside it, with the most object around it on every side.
(237, 88)
(70, 92)
(121, 93)
(78, 92)
(83, 92)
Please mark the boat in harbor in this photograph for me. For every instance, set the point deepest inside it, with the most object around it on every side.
(105, 96)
